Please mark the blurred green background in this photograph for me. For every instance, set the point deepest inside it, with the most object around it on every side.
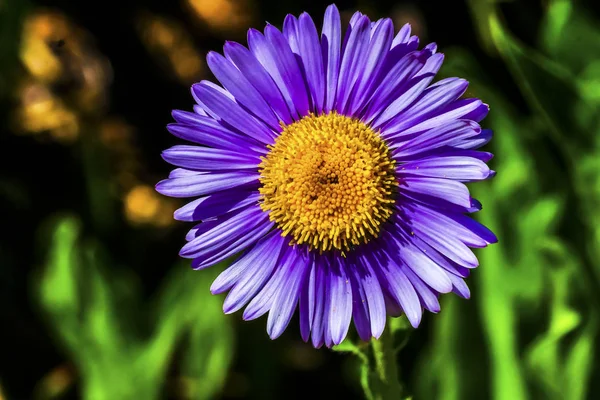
(94, 302)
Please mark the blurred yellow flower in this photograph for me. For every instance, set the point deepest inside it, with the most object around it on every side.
(223, 15)
(169, 42)
(143, 205)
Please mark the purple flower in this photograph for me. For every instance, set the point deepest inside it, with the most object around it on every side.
(337, 170)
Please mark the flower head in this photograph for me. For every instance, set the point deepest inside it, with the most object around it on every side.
(337, 170)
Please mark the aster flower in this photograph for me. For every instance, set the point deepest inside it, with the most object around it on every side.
(337, 170)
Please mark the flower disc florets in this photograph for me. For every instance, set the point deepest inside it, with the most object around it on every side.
(328, 181)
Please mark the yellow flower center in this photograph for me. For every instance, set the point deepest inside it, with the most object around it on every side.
(328, 181)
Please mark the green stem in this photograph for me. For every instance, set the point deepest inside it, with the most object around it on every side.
(386, 385)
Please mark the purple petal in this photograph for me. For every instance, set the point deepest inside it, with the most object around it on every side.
(396, 77)
(410, 94)
(449, 167)
(307, 302)
(374, 59)
(339, 302)
(202, 184)
(229, 248)
(330, 45)
(446, 189)
(446, 135)
(209, 132)
(287, 298)
(400, 289)
(436, 97)
(352, 61)
(288, 69)
(252, 69)
(422, 265)
(265, 299)
(477, 141)
(402, 36)
(230, 112)
(456, 110)
(216, 204)
(238, 85)
(229, 227)
(319, 321)
(373, 296)
(259, 259)
(449, 246)
(310, 52)
(427, 297)
(208, 159)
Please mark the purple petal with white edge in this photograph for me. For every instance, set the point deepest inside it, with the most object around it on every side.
(264, 300)
(427, 297)
(216, 204)
(330, 47)
(445, 135)
(288, 68)
(360, 308)
(433, 98)
(459, 226)
(439, 203)
(477, 141)
(450, 247)
(236, 83)
(229, 228)
(285, 303)
(207, 110)
(209, 132)
(400, 289)
(202, 184)
(261, 49)
(307, 301)
(208, 159)
(340, 302)
(230, 112)
(264, 254)
(310, 52)
(198, 110)
(478, 114)
(432, 47)
(256, 74)
(446, 189)
(397, 76)
(460, 287)
(200, 228)
(290, 31)
(352, 62)
(423, 266)
(373, 295)
(182, 173)
(450, 167)
(253, 278)
(440, 260)
(402, 36)
(459, 109)
(230, 248)
(374, 60)
(320, 316)
(414, 88)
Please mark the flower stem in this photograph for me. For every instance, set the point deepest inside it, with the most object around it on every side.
(385, 383)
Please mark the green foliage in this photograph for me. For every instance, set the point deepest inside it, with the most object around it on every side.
(535, 277)
(378, 364)
(98, 324)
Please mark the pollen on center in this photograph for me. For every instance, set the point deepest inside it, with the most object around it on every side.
(328, 181)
